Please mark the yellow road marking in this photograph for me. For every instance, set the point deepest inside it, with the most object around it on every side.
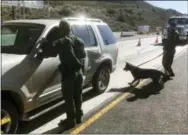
(5, 120)
(102, 112)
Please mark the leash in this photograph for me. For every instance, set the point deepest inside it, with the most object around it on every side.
(150, 59)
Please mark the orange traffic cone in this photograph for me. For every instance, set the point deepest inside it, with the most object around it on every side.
(139, 42)
(156, 41)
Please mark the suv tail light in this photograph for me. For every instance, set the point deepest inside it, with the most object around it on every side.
(117, 50)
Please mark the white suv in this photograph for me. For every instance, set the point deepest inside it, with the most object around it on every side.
(29, 84)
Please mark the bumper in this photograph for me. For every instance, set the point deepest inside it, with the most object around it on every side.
(181, 37)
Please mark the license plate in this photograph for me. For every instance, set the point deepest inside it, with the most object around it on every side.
(183, 37)
(164, 37)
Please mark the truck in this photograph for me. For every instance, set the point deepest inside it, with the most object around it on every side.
(182, 28)
(158, 30)
(143, 29)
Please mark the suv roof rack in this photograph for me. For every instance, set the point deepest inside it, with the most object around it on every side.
(85, 19)
(179, 16)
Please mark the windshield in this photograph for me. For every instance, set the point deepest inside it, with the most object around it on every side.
(180, 21)
(19, 38)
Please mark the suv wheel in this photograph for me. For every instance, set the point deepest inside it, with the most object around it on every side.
(187, 40)
(9, 118)
(101, 79)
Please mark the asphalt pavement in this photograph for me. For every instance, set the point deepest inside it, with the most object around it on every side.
(146, 109)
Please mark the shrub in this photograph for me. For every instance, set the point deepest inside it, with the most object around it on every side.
(121, 18)
(154, 10)
(111, 11)
(130, 11)
(65, 12)
(140, 16)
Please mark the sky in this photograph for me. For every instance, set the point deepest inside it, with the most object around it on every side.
(181, 6)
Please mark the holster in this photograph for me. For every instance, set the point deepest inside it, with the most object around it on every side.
(66, 72)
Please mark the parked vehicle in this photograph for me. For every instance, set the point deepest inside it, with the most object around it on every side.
(182, 27)
(29, 84)
(143, 29)
(158, 30)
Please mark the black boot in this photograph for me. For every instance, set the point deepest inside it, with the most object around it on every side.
(79, 118)
(167, 72)
(67, 124)
(172, 74)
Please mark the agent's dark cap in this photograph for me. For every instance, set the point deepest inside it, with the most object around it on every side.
(64, 25)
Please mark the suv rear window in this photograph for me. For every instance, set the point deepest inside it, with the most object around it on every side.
(85, 33)
(106, 34)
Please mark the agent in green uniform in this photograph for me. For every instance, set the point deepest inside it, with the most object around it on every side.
(71, 54)
(169, 49)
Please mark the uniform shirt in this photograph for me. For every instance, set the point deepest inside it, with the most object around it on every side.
(171, 40)
(71, 52)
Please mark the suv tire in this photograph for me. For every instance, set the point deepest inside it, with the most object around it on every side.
(101, 79)
(9, 110)
(186, 42)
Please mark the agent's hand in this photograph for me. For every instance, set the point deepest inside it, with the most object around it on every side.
(39, 54)
(43, 41)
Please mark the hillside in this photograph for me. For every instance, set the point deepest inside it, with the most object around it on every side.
(120, 15)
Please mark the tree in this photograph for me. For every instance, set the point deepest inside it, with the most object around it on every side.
(65, 12)
(121, 17)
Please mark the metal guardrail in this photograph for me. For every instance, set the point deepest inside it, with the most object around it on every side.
(124, 34)
(131, 33)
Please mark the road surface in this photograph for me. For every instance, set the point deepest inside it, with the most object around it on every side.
(147, 108)
(144, 55)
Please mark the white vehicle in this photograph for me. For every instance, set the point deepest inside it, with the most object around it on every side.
(143, 29)
(182, 27)
(31, 86)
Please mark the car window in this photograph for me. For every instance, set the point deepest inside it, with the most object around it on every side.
(19, 38)
(82, 32)
(107, 35)
(93, 41)
(180, 21)
(8, 36)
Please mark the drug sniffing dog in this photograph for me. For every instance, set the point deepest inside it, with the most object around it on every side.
(158, 77)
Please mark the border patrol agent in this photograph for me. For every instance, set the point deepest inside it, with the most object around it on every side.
(71, 54)
(169, 49)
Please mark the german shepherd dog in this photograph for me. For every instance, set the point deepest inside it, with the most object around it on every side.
(158, 77)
